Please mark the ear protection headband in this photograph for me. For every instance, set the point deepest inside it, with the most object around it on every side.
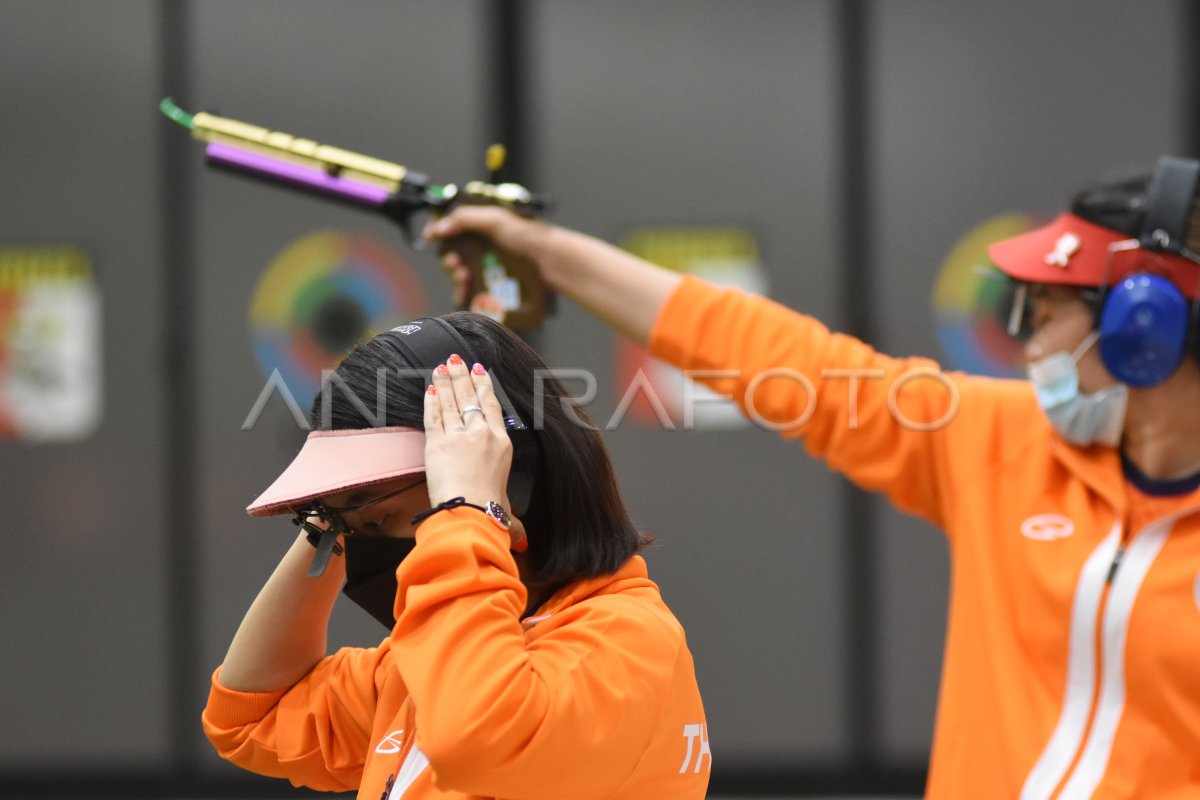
(429, 341)
(1146, 323)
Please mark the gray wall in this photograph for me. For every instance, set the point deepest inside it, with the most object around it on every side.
(84, 614)
(674, 113)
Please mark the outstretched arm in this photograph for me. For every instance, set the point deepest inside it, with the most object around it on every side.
(622, 290)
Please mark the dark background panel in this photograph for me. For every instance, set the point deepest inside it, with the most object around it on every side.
(84, 668)
(716, 117)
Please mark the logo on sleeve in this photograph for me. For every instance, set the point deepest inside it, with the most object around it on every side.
(696, 734)
(392, 743)
(1047, 527)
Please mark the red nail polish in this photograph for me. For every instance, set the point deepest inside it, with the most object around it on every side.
(431, 390)
(456, 359)
(442, 369)
(478, 369)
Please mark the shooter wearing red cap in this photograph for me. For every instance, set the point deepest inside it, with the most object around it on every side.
(1070, 502)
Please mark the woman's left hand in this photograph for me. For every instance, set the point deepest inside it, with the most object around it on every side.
(468, 452)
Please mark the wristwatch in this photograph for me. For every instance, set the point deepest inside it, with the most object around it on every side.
(497, 514)
(494, 511)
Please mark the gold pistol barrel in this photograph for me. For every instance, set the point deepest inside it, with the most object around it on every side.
(334, 160)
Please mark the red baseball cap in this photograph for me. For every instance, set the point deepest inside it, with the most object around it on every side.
(1072, 251)
(337, 461)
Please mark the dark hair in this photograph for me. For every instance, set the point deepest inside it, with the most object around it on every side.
(1119, 203)
(577, 522)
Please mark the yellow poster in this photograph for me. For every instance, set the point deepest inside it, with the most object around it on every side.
(651, 392)
(50, 354)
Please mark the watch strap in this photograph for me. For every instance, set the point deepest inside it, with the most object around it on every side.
(494, 511)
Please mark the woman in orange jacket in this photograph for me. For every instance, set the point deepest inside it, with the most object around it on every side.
(1071, 501)
(528, 654)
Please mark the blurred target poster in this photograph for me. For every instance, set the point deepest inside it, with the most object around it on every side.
(322, 295)
(972, 300)
(50, 345)
(650, 392)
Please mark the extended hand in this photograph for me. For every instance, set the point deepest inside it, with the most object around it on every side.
(516, 239)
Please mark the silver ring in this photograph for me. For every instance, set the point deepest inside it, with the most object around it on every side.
(468, 409)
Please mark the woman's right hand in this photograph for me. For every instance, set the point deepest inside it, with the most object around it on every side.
(516, 239)
(619, 288)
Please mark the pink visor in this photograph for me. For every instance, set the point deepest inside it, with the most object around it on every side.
(335, 461)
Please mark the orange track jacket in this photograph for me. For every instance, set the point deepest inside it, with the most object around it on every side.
(594, 696)
(1072, 661)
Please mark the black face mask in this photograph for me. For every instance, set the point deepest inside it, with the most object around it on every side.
(371, 563)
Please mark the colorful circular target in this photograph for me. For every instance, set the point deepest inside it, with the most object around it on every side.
(972, 300)
(322, 296)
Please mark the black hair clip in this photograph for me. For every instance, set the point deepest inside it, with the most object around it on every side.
(323, 540)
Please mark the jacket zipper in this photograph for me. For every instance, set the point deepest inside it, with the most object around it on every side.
(1116, 562)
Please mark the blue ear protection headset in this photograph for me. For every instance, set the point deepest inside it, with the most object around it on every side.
(1146, 323)
(429, 341)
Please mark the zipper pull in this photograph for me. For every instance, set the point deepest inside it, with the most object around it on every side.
(1116, 562)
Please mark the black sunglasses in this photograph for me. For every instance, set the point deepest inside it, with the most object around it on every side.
(325, 539)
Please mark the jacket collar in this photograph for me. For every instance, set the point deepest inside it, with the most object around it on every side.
(1097, 466)
(1100, 468)
(632, 573)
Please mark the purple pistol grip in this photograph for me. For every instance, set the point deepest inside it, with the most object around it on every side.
(316, 180)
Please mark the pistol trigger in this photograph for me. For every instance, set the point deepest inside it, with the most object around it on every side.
(407, 233)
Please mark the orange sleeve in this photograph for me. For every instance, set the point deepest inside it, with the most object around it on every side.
(314, 734)
(899, 426)
(567, 714)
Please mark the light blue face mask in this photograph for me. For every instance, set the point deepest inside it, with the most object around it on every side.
(1081, 419)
